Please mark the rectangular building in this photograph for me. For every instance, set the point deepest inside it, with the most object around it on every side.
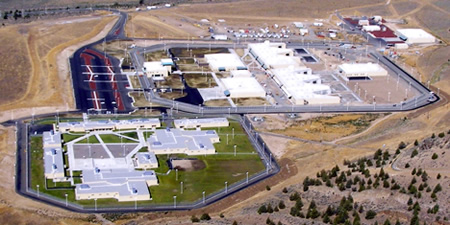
(97, 125)
(359, 70)
(416, 36)
(54, 164)
(201, 123)
(155, 70)
(243, 87)
(190, 142)
(224, 62)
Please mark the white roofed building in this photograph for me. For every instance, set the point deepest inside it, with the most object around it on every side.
(190, 142)
(95, 125)
(121, 184)
(361, 70)
(294, 79)
(416, 36)
(224, 62)
(243, 87)
(53, 156)
(201, 123)
(240, 73)
(155, 70)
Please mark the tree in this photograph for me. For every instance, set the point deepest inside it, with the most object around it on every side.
(235, 223)
(407, 165)
(441, 135)
(299, 204)
(326, 219)
(434, 156)
(433, 135)
(269, 208)
(285, 190)
(370, 214)
(294, 211)
(262, 209)
(221, 215)
(294, 196)
(268, 187)
(410, 201)
(205, 216)
(413, 172)
(438, 176)
(194, 219)
(312, 210)
(402, 145)
(281, 205)
(387, 222)
(356, 219)
(416, 143)
(438, 188)
(414, 153)
(269, 221)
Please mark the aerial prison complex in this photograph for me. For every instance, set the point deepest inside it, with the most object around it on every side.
(106, 172)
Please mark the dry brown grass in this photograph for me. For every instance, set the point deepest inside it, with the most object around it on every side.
(30, 73)
(250, 101)
(217, 102)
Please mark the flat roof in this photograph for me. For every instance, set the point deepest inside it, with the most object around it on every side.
(415, 33)
(351, 68)
(116, 176)
(240, 73)
(107, 123)
(243, 85)
(178, 139)
(129, 188)
(51, 138)
(154, 66)
(146, 158)
(53, 160)
(224, 60)
(274, 54)
(200, 121)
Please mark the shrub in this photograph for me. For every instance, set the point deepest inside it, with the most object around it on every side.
(434, 156)
(407, 165)
(267, 187)
(441, 135)
(416, 143)
(414, 153)
(370, 214)
(285, 190)
(205, 216)
(438, 176)
(194, 219)
(269, 208)
(433, 135)
(294, 196)
(235, 223)
(402, 145)
(281, 205)
(221, 215)
(262, 209)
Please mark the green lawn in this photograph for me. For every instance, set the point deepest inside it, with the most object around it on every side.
(131, 135)
(112, 138)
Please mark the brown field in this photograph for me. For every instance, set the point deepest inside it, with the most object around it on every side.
(217, 102)
(322, 128)
(140, 101)
(40, 78)
(250, 101)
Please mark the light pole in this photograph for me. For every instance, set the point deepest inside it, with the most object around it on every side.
(203, 197)
(229, 111)
(95, 200)
(37, 187)
(181, 184)
(174, 201)
(246, 173)
(389, 96)
(226, 186)
(232, 132)
(227, 139)
(234, 150)
(176, 174)
(135, 203)
(66, 199)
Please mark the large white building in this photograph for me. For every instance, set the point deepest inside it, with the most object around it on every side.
(243, 87)
(361, 70)
(224, 62)
(201, 123)
(93, 125)
(294, 79)
(190, 142)
(123, 185)
(416, 36)
(158, 70)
